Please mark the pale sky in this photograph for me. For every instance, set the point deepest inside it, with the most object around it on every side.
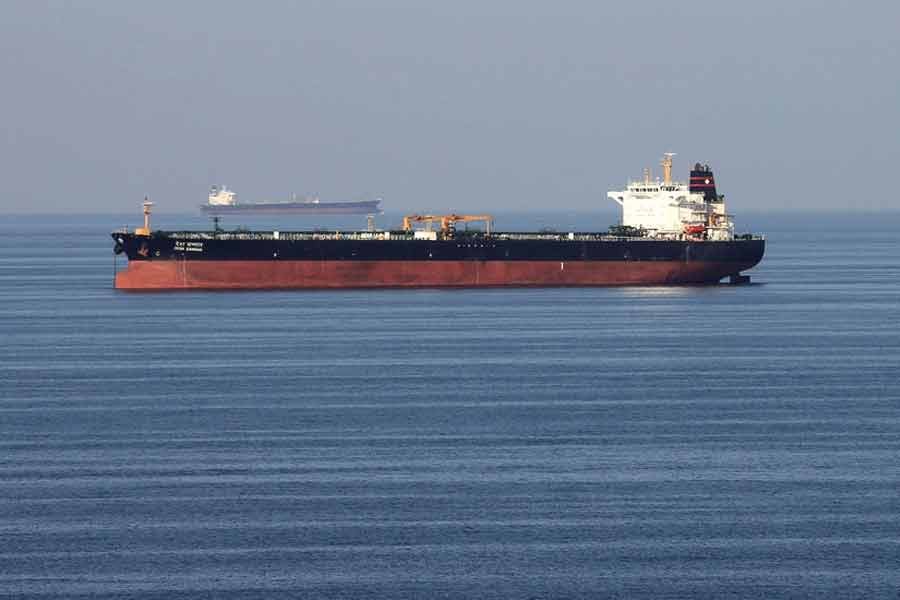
(439, 105)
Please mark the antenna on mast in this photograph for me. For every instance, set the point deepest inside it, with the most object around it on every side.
(667, 167)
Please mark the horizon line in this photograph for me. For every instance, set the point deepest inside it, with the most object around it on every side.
(517, 210)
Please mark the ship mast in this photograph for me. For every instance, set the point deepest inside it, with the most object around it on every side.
(145, 230)
(667, 167)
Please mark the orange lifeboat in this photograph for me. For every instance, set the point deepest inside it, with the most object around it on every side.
(694, 229)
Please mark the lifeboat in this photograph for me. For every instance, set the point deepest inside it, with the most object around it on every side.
(694, 229)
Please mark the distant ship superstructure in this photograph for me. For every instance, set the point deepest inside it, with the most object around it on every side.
(221, 196)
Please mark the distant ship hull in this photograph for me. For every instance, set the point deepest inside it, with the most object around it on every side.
(303, 208)
(161, 262)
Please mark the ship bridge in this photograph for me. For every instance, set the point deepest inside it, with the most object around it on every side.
(221, 196)
(670, 209)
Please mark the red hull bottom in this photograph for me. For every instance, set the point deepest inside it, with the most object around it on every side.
(237, 274)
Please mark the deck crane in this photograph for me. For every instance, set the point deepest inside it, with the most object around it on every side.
(447, 222)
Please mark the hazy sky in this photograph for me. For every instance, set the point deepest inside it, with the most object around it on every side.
(466, 105)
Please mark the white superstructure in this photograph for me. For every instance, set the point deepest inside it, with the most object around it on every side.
(670, 209)
(222, 196)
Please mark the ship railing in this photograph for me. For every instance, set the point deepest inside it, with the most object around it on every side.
(385, 235)
(291, 235)
(405, 235)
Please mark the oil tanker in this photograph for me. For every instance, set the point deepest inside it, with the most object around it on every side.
(671, 233)
(223, 201)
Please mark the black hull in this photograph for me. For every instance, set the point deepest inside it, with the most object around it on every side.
(197, 246)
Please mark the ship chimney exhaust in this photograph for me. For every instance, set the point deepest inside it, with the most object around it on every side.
(703, 181)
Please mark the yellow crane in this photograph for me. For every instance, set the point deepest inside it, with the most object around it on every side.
(447, 221)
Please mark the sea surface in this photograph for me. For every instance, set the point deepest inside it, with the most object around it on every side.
(681, 442)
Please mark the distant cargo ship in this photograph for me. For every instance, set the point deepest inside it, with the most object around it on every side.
(223, 201)
(670, 233)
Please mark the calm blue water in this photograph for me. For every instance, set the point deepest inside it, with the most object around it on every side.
(737, 442)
